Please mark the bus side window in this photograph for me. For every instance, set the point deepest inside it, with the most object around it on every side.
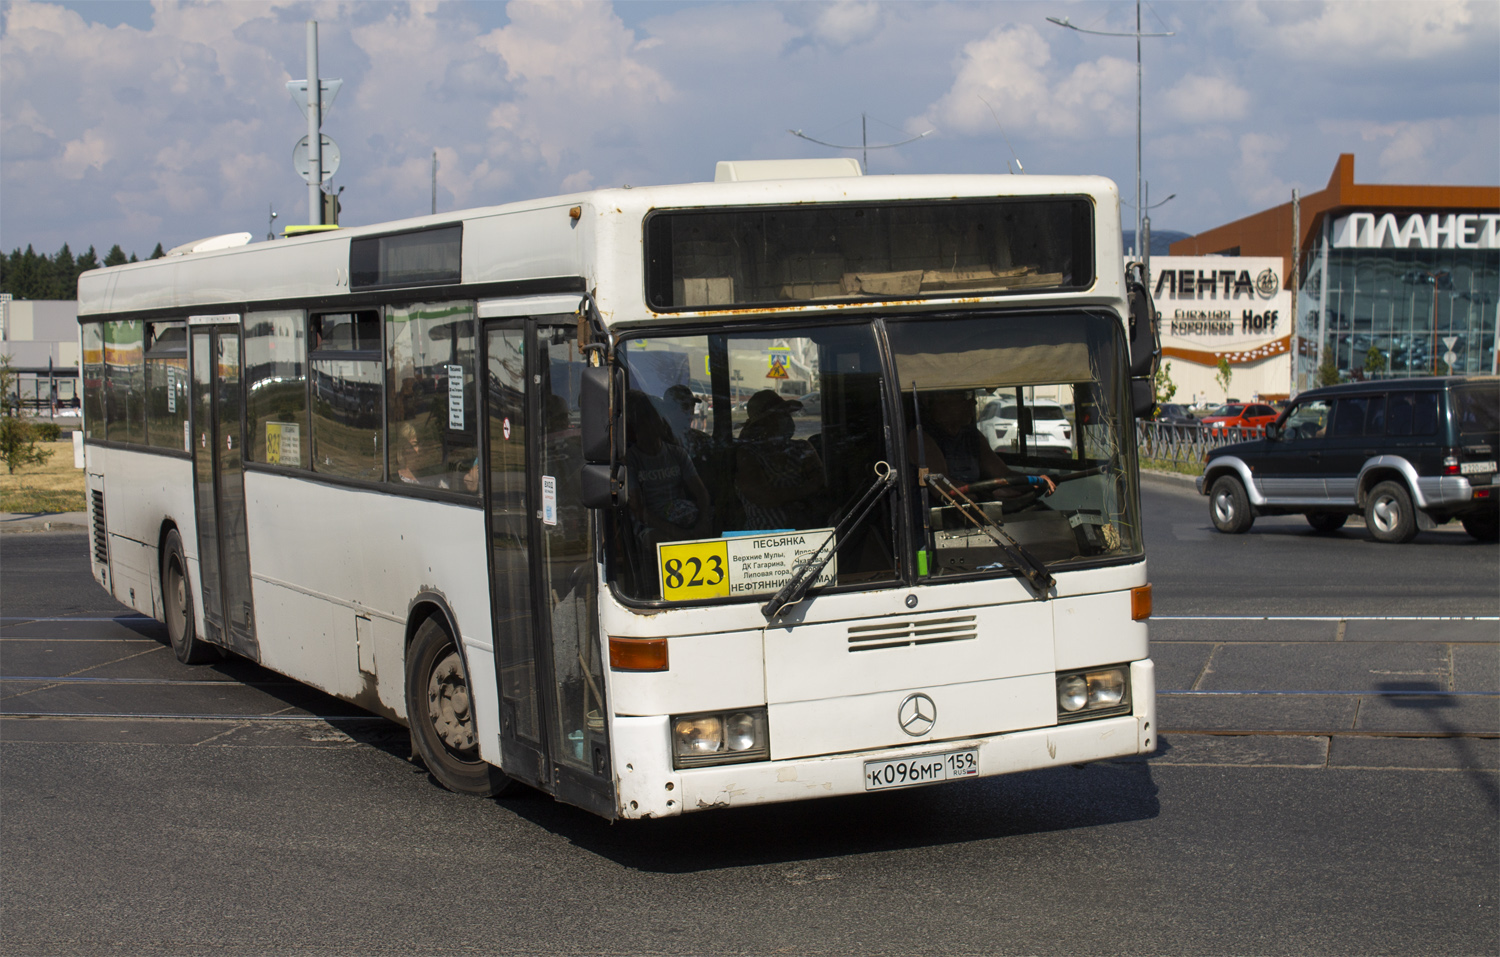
(93, 380)
(347, 395)
(167, 386)
(430, 394)
(276, 387)
(125, 381)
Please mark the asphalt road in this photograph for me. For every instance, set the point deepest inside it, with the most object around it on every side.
(1326, 783)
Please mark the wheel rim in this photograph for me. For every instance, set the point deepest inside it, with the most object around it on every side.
(176, 603)
(448, 704)
(1386, 513)
(1224, 508)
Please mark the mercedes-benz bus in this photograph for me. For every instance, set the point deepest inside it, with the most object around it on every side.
(655, 499)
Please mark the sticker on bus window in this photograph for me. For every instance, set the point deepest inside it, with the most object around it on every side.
(549, 500)
(741, 566)
(284, 444)
(455, 397)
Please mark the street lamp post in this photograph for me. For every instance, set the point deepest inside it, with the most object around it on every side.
(1139, 209)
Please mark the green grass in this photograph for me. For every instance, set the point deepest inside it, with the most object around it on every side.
(23, 498)
(54, 486)
(1168, 465)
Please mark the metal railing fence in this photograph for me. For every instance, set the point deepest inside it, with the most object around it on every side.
(1182, 443)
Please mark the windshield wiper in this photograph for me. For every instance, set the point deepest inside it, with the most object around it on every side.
(809, 568)
(1021, 561)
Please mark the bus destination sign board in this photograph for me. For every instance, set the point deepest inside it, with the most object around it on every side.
(756, 564)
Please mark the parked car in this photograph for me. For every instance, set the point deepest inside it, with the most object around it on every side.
(1043, 424)
(1170, 413)
(1406, 453)
(1253, 416)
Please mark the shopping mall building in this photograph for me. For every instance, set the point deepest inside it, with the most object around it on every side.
(1389, 281)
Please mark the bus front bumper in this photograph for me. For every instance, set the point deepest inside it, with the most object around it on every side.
(661, 791)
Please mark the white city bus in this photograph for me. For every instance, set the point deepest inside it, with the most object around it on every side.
(655, 499)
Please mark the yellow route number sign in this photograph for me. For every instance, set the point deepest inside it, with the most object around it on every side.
(694, 570)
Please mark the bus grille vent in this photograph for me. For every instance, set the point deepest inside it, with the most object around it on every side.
(901, 634)
(101, 540)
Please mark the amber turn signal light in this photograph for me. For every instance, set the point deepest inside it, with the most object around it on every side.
(637, 654)
(1140, 603)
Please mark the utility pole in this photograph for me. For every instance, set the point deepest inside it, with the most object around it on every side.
(1294, 282)
(1139, 209)
(315, 157)
(314, 130)
(434, 182)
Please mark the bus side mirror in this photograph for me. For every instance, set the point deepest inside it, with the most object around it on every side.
(594, 413)
(1145, 334)
(1143, 397)
(602, 483)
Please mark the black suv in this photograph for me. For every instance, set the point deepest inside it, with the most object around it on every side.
(1407, 453)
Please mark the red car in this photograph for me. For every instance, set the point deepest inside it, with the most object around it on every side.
(1253, 417)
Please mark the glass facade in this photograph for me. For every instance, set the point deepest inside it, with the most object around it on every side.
(1375, 313)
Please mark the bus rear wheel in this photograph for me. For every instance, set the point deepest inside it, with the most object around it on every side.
(177, 596)
(440, 711)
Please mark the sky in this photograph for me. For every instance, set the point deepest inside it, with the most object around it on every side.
(137, 122)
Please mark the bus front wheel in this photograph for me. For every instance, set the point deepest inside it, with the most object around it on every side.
(440, 710)
(177, 596)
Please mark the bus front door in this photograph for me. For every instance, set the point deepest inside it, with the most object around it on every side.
(219, 490)
(548, 659)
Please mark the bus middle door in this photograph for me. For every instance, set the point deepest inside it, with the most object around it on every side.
(553, 727)
(219, 489)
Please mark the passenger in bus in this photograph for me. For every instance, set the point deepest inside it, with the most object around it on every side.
(680, 409)
(667, 498)
(778, 478)
(408, 453)
(956, 449)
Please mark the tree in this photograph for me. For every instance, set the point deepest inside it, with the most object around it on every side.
(89, 260)
(1224, 375)
(26, 275)
(158, 252)
(1165, 387)
(1328, 373)
(1374, 361)
(17, 438)
(62, 281)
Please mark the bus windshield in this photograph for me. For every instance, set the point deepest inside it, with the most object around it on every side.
(745, 449)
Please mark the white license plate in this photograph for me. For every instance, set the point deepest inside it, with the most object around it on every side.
(1476, 468)
(928, 769)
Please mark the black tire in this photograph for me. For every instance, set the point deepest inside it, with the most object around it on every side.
(1484, 526)
(439, 710)
(1229, 506)
(177, 597)
(1389, 514)
(1327, 521)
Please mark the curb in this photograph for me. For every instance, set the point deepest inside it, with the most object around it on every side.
(1171, 478)
(17, 522)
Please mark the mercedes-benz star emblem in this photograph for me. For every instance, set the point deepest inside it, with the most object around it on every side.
(917, 714)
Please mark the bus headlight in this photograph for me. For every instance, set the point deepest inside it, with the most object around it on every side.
(722, 737)
(1093, 694)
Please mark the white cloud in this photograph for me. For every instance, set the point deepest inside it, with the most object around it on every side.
(1347, 31)
(1255, 174)
(1010, 72)
(1206, 99)
(848, 22)
(1442, 149)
